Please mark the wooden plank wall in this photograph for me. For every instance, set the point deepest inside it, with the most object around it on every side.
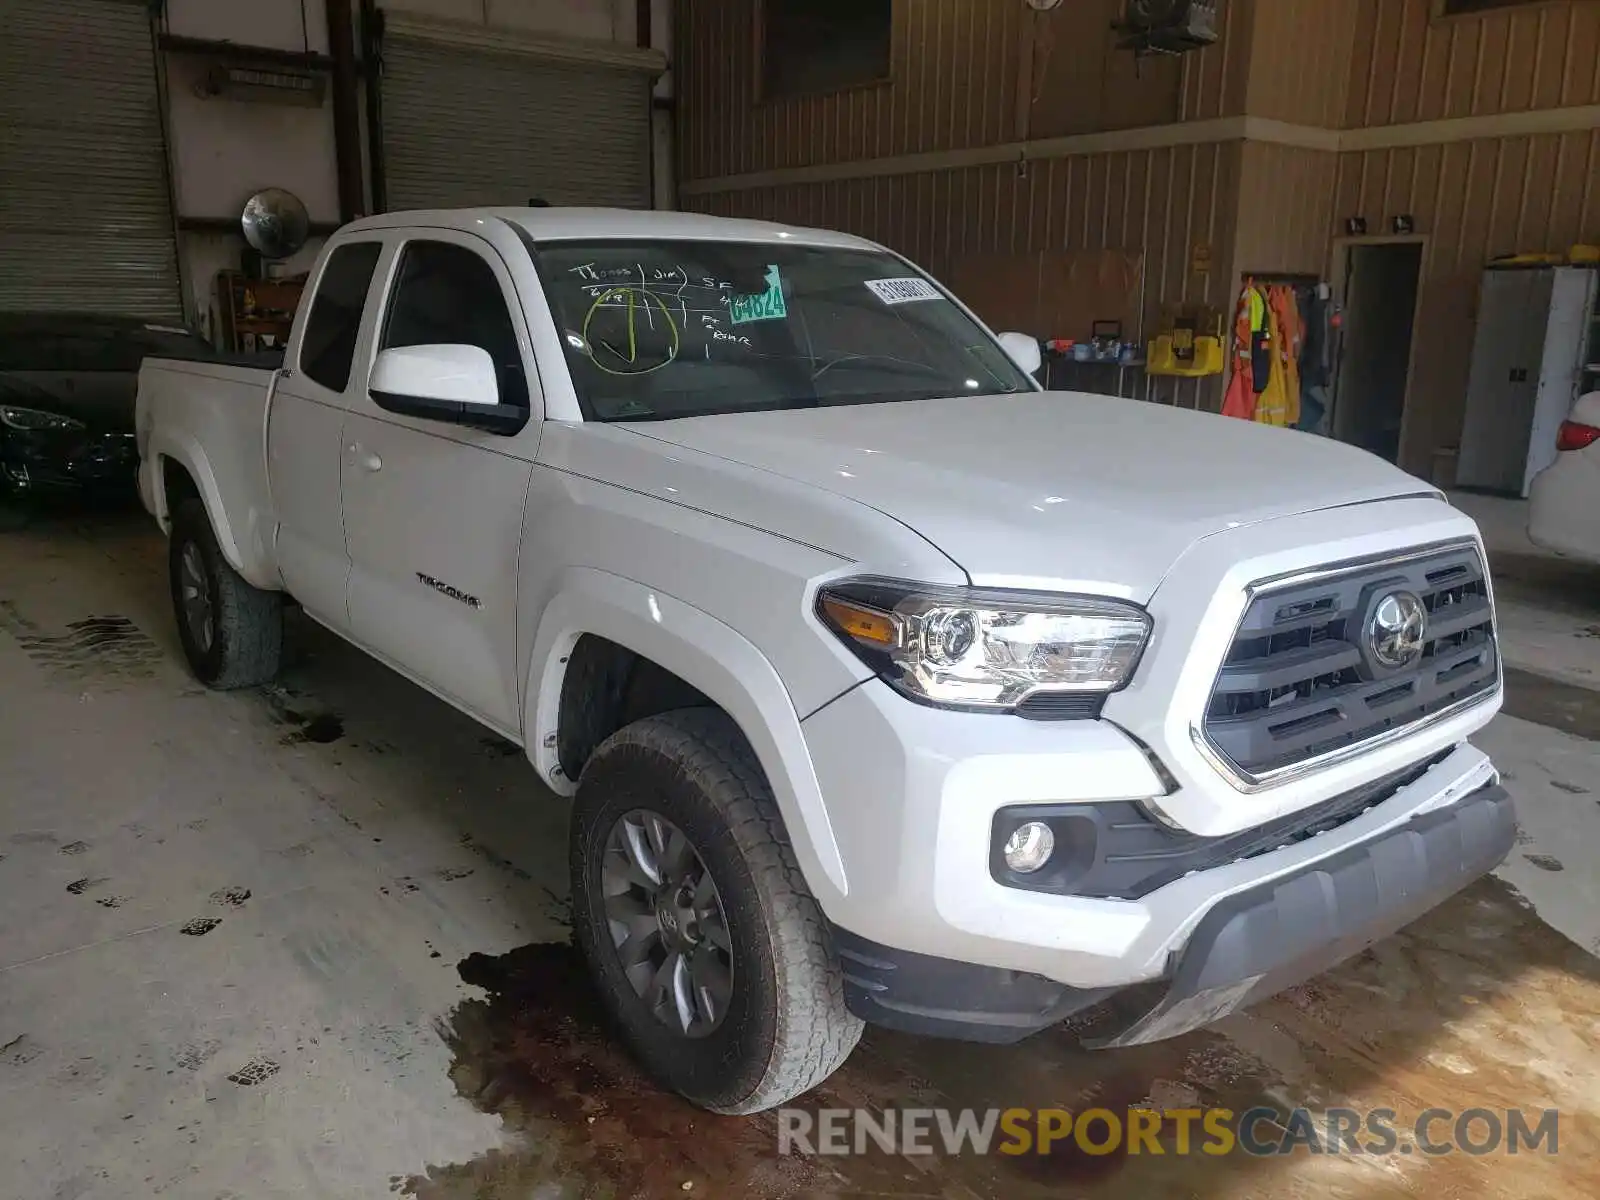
(1286, 209)
(960, 80)
(1474, 200)
(1299, 69)
(1161, 200)
(955, 68)
(1410, 67)
(954, 65)
(1215, 79)
(970, 73)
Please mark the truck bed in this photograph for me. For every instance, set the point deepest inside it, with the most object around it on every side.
(266, 360)
(207, 419)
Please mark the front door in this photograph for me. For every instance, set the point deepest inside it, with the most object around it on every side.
(304, 432)
(433, 511)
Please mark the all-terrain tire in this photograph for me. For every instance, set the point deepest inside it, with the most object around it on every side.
(787, 1028)
(247, 642)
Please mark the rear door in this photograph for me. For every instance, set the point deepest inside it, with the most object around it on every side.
(305, 428)
(433, 511)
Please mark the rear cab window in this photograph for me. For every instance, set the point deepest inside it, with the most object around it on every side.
(328, 345)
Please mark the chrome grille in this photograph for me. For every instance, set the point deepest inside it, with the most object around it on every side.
(1299, 682)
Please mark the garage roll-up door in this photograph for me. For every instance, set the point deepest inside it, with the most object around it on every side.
(480, 118)
(85, 214)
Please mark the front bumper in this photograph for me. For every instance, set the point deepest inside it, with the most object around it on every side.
(913, 794)
(1248, 946)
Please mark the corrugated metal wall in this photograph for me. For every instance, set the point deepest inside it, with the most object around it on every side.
(1474, 200)
(1162, 200)
(1409, 67)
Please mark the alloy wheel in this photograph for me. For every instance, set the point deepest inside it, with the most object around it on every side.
(195, 591)
(668, 927)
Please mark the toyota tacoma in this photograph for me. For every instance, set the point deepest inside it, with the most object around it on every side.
(886, 686)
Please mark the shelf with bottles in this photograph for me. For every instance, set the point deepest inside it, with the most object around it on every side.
(256, 314)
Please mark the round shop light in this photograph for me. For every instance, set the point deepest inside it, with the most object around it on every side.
(1029, 847)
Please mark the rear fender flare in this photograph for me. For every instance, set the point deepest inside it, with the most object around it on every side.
(707, 654)
(185, 451)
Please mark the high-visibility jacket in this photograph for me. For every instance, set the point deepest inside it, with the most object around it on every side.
(1272, 406)
(1290, 337)
(1240, 398)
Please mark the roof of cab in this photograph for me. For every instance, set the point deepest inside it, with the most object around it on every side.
(589, 224)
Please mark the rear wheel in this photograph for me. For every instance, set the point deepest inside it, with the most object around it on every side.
(708, 950)
(232, 633)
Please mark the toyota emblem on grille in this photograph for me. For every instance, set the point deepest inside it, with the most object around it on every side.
(1396, 630)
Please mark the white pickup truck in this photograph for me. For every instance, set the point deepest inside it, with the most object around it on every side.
(887, 686)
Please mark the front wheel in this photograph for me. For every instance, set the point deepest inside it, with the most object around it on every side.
(232, 633)
(708, 950)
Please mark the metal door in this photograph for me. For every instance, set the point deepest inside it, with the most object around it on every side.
(467, 126)
(1566, 337)
(1513, 309)
(85, 210)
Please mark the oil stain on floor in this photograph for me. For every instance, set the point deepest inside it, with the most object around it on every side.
(1477, 1005)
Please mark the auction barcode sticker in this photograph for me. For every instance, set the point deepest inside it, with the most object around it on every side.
(903, 291)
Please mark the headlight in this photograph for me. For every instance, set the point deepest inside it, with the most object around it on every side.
(979, 649)
(33, 419)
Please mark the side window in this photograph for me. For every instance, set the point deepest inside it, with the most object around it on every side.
(445, 293)
(329, 343)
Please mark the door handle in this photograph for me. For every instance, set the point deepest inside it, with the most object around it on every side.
(365, 459)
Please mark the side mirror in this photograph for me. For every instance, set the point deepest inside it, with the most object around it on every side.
(1022, 350)
(455, 384)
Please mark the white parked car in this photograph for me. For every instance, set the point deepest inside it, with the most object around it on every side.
(1564, 503)
(886, 686)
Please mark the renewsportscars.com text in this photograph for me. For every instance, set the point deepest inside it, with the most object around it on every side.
(1211, 1131)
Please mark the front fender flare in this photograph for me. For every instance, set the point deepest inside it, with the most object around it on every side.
(710, 656)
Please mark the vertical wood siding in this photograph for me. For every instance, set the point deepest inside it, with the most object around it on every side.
(1286, 209)
(954, 85)
(1080, 82)
(1214, 79)
(1474, 200)
(1299, 67)
(970, 73)
(1164, 201)
(1410, 66)
(964, 73)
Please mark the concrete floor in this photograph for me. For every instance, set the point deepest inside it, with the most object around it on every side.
(309, 942)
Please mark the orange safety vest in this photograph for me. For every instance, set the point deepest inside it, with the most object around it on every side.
(1240, 398)
(1291, 334)
(1272, 406)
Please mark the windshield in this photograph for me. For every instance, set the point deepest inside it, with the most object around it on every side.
(660, 330)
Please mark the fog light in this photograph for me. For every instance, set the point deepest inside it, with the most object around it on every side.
(1029, 847)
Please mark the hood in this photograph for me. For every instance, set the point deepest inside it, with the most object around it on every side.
(1054, 490)
(102, 400)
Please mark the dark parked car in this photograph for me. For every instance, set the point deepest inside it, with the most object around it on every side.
(67, 386)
